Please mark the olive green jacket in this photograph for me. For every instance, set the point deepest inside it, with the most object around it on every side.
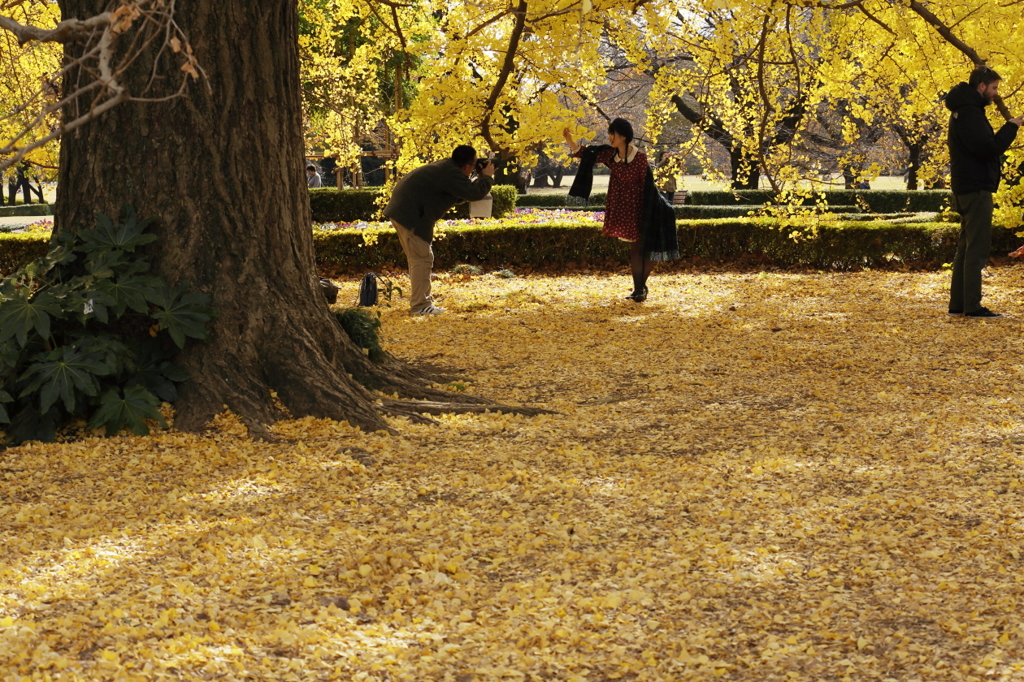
(423, 196)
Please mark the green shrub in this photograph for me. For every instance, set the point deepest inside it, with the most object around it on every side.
(86, 332)
(753, 198)
(20, 248)
(557, 200)
(330, 205)
(872, 200)
(504, 197)
(838, 245)
(893, 201)
(701, 212)
(363, 327)
(541, 201)
(26, 210)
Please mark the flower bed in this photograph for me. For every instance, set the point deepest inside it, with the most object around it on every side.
(520, 217)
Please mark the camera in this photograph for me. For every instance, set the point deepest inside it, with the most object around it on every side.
(481, 164)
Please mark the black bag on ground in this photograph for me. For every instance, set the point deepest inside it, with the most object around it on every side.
(330, 291)
(368, 290)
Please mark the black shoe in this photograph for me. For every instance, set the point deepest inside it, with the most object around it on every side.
(982, 312)
(956, 312)
(639, 298)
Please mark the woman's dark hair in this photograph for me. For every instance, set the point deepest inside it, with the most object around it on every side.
(985, 75)
(463, 155)
(622, 127)
(311, 167)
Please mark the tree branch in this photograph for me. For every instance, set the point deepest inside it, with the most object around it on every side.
(66, 32)
(716, 130)
(506, 70)
(99, 63)
(959, 44)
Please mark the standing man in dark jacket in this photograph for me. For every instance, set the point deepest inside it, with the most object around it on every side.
(975, 159)
(420, 199)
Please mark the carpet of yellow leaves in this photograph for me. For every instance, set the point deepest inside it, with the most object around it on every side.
(752, 476)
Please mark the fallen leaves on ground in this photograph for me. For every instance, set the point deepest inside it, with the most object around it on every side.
(752, 476)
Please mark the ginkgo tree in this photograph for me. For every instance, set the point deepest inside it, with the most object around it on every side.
(202, 130)
(752, 76)
(28, 116)
(192, 113)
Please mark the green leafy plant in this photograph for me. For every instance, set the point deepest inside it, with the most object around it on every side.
(363, 327)
(467, 269)
(388, 289)
(330, 205)
(87, 332)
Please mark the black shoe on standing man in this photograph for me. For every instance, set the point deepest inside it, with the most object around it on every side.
(976, 159)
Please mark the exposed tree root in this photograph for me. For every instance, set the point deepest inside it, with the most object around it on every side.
(414, 417)
(433, 407)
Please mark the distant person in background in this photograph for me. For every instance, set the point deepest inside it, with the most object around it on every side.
(313, 180)
(975, 164)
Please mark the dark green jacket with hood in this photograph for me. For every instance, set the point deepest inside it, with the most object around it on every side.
(975, 149)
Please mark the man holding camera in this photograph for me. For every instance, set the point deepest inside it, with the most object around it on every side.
(420, 199)
(975, 161)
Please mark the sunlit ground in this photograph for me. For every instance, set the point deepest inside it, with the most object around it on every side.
(763, 476)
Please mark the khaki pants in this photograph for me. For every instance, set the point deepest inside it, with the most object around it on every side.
(421, 260)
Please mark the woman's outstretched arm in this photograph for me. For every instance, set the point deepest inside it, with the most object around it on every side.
(569, 141)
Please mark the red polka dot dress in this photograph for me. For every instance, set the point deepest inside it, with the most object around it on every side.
(624, 205)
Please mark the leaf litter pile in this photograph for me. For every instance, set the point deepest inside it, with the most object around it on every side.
(751, 476)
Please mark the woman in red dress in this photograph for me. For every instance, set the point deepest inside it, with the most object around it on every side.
(624, 205)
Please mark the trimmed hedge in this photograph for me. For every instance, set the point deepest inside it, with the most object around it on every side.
(700, 212)
(839, 200)
(20, 248)
(26, 210)
(557, 200)
(838, 246)
(872, 200)
(504, 196)
(330, 205)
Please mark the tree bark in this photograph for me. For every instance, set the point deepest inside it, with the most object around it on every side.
(913, 165)
(222, 170)
(745, 168)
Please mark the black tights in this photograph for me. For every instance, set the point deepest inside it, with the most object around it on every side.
(641, 268)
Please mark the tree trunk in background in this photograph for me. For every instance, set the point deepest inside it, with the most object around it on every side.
(914, 164)
(745, 170)
(223, 173)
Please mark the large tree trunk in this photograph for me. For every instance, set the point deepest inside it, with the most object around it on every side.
(223, 173)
